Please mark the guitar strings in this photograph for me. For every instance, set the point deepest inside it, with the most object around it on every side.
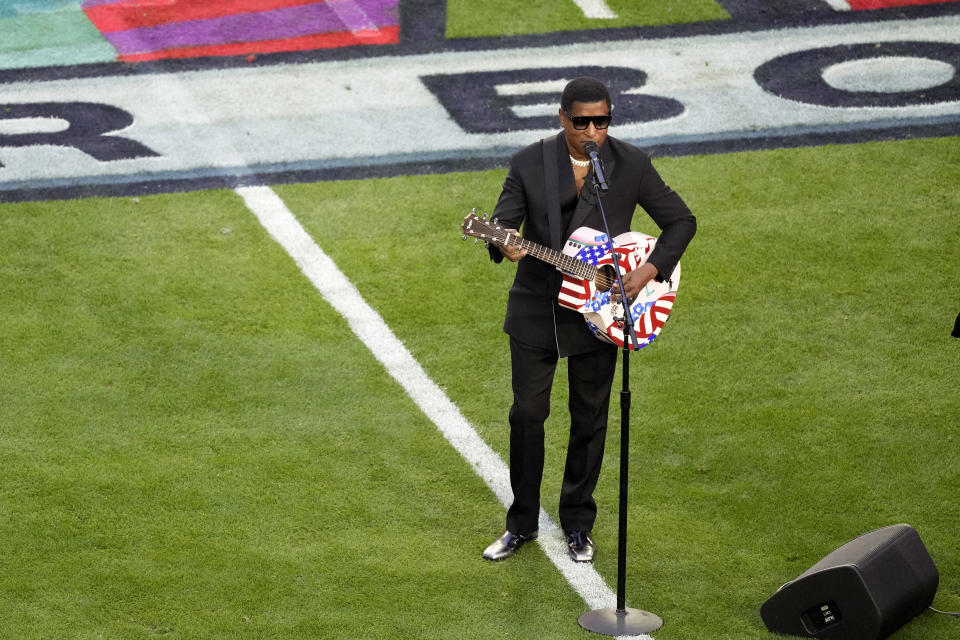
(572, 265)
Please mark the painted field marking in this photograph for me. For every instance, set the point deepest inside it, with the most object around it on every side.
(596, 9)
(352, 16)
(712, 100)
(371, 329)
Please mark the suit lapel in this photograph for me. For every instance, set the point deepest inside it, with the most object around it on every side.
(551, 179)
(584, 207)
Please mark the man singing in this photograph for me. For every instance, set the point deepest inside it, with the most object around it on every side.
(549, 192)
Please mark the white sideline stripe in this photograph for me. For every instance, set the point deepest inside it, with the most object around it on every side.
(369, 326)
(595, 9)
(839, 5)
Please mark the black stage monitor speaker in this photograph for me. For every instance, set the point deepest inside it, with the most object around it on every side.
(865, 590)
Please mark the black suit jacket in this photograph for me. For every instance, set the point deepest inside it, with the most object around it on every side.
(531, 200)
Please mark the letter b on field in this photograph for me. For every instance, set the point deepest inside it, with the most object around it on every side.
(501, 101)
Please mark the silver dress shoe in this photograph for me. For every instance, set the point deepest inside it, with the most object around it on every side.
(581, 546)
(506, 545)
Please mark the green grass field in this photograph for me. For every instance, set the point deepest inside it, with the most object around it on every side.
(472, 18)
(194, 445)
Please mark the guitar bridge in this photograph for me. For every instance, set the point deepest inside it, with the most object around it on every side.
(621, 318)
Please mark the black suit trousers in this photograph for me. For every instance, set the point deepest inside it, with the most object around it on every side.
(590, 376)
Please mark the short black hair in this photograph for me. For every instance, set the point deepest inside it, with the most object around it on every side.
(584, 89)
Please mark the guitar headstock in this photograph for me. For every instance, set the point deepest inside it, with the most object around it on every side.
(478, 226)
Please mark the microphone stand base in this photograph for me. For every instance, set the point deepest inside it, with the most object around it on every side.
(620, 622)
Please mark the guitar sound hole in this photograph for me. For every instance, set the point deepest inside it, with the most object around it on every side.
(606, 278)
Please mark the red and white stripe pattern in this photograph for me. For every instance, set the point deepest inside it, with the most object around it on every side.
(648, 324)
(868, 5)
(575, 292)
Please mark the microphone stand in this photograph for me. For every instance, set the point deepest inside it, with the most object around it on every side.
(622, 621)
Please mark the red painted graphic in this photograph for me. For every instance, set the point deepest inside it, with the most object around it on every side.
(153, 30)
(865, 5)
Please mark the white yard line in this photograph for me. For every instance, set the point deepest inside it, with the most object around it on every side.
(839, 5)
(596, 9)
(370, 328)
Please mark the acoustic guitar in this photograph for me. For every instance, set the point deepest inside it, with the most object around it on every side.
(589, 277)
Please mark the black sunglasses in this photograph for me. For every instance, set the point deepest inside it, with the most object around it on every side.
(580, 123)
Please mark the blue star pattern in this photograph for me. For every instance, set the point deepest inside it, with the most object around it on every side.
(591, 254)
(641, 308)
(598, 301)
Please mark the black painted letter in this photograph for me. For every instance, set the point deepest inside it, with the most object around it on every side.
(799, 76)
(474, 103)
(89, 124)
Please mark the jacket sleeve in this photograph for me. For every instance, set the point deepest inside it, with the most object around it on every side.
(670, 213)
(511, 208)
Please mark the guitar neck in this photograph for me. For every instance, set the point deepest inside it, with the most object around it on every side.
(489, 231)
(561, 261)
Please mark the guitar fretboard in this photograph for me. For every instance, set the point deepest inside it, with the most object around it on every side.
(562, 261)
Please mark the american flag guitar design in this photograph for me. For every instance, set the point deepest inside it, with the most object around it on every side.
(588, 277)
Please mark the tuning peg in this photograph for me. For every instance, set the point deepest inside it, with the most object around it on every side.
(463, 237)
(476, 240)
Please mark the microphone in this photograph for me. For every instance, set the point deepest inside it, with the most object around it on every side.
(594, 152)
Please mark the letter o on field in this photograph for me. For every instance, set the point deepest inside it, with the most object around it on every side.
(881, 74)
